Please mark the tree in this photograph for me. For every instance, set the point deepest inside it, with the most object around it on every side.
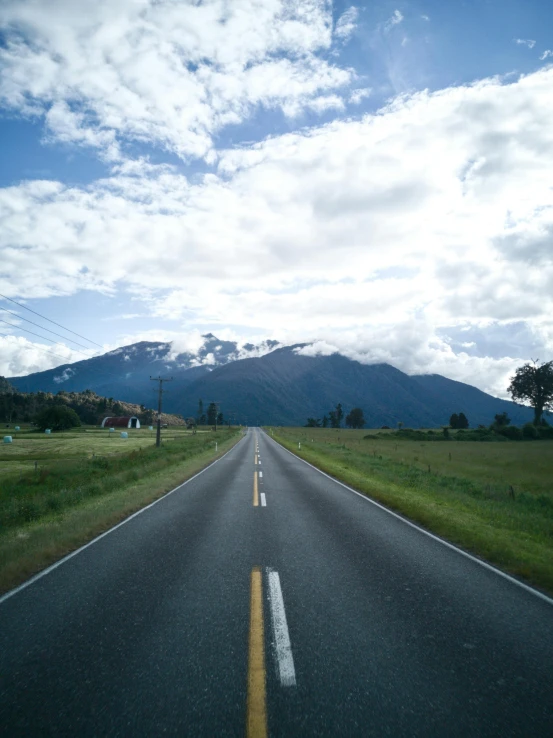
(220, 419)
(200, 411)
(355, 419)
(312, 423)
(335, 416)
(325, 421)
(463, 421)
(459, 421)
(501, 419)
(533, 384)
(57, 417)
(211, 413)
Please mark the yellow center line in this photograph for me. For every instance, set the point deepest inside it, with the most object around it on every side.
(256, 458)
(255, 493)
(256, 722)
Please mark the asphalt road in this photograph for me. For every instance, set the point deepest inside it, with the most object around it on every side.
(312, 612)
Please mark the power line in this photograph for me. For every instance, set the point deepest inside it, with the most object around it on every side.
(20, 317)
(44, 338)
(36, 348)
(50, 321)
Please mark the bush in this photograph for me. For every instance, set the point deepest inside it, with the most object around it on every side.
(510, 431)
(57, 417)
(530, 431)
(545, 432)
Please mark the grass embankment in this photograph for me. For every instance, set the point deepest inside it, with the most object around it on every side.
(77, 492)
(493, 499)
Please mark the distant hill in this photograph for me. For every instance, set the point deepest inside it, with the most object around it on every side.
(273, 385)
(22, 407)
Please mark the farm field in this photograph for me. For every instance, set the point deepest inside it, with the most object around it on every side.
(29, 445)
(494, 499)
(57, 491)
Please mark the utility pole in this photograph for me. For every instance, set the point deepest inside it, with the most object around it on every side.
(159, 395)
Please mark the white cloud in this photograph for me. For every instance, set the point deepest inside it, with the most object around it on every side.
(169, 74)
(19, 356)
(525, 42)
(425, 17)
(395, 20)
(64, 376)
(346, 24)
(359, 94)
(546, 54)
(368, 234)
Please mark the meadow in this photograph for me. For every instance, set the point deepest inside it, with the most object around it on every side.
(493, 499)
(59, 490)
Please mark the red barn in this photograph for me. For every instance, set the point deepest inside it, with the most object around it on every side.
(121, 422)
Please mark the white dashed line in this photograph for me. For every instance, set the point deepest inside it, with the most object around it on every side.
(283, 649)
(263, 499)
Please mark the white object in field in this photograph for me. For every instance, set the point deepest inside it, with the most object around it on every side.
(48, 431)
(299, 445)
(112, 430)
(150, 427)
(8, 439)
(17, 427)
(124, 434)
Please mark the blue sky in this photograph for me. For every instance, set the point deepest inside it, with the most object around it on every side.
(375, 178)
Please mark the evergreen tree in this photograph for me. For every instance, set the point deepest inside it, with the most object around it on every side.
(463, 421)
(355, 418)
(211, 413)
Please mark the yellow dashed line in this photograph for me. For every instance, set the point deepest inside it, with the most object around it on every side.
(256, 722)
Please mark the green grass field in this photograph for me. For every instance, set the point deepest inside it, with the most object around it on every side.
(494, 499)
(58, 491)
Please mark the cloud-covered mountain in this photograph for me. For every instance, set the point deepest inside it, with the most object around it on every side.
(272, 385)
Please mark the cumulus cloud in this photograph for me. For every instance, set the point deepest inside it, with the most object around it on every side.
(370, 234)
(168, 74)
(19, 356)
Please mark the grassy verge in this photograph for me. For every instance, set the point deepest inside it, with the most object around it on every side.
(42, 519)
(512, 529)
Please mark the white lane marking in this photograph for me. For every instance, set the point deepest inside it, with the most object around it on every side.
(283, 648)
(46, 571)
(485, 564)
(261, 474)
(263, 500)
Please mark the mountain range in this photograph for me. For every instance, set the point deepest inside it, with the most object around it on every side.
(271, 384)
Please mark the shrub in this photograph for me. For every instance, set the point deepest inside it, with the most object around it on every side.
(545, 431)
(57, 417)
(530, 431)
(510, 431)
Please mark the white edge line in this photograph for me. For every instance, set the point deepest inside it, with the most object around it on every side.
(261, 474)
(283, 648)
(485, 564)
(51, 568)
(263, 500)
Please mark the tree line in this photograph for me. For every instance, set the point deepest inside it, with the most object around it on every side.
(354, 419)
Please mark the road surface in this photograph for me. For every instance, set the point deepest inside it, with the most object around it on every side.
(264, 598)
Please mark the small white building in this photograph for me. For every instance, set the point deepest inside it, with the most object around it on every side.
(121, 422)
